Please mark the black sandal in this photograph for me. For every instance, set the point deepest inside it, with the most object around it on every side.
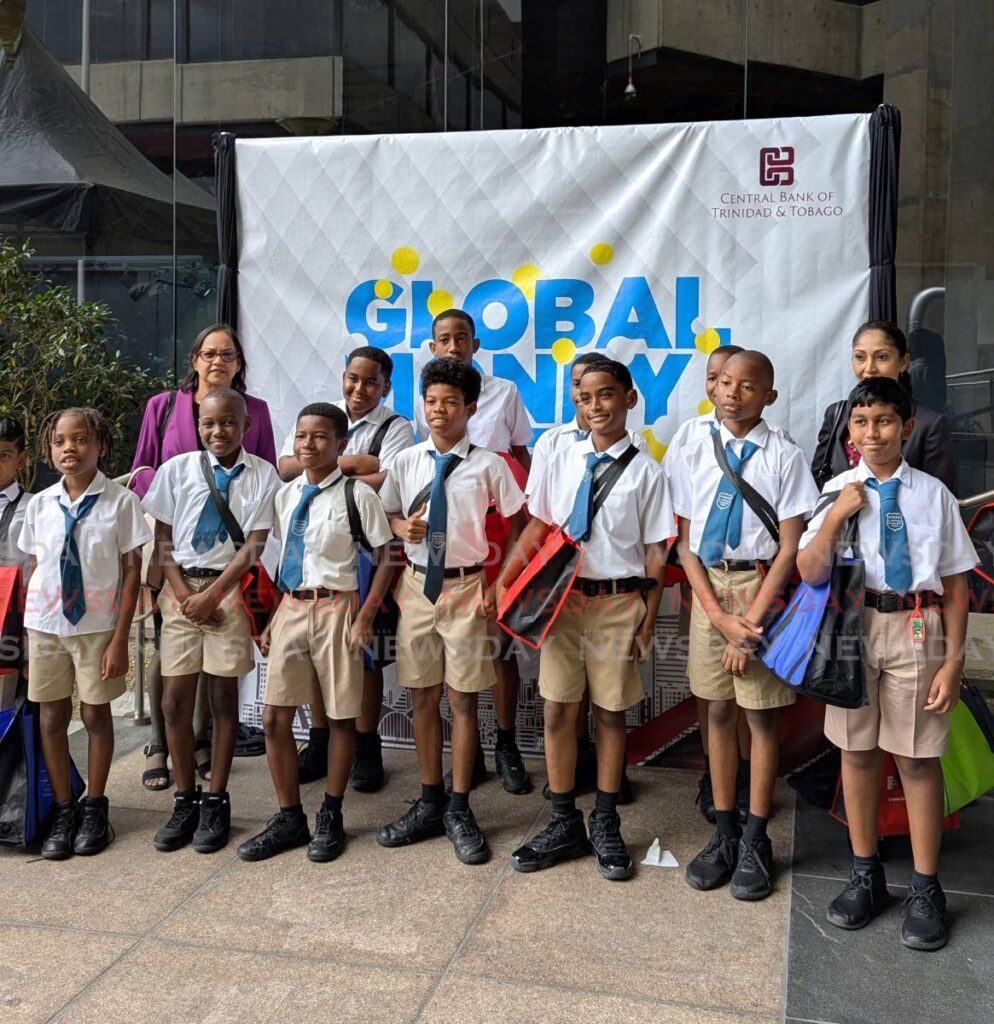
(203, 767)
(151, 775)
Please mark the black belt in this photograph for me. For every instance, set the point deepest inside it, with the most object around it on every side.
(737, 565)
(888, 601)
(315, 593)
(628, 585)
(451, 574)
(195, 572)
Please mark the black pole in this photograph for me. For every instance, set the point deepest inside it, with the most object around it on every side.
(885, 151)
(227, 230)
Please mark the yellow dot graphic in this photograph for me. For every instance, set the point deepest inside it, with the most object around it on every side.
(383, 289)
(704, 407)
(405, 260)
(656, 447)
(708, 340)
(439, 301)
(525, 277)
(602, 253)
(563, 351)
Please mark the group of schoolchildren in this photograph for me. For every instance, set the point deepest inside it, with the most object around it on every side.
(470, 516)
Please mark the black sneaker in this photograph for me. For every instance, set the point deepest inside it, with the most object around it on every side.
(626, 794)
(282, 832)
(95, 830)
(329, 836)
(514, 776)
(861, 900)
(585, 776)
(564, 838)
(58, 844)
(215, 823)
(467, 839)
(367, 768)
(422, 820)
(312, 758)
(753, 877)
(613, 859)
(705, 798)
(179, 829)
(742, 778)
(714, 865)
(924, 913)
(479, 772)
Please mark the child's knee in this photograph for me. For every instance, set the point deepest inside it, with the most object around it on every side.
(96, 718)
(917, 769)
(426, 699)
(277, 721)
(54, 716)
(762, 721)
(609, 719)
(463, 704)
(559, 716)
(722, 714)
(224, 698)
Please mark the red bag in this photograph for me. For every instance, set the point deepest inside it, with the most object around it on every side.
(534, 600)
(892, 819)
(495, 525)
(260, 596)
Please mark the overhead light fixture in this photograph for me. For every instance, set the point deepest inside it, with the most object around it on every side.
(634, 49)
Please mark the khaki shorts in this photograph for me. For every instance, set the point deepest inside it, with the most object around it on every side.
(58, 663)
(590, 644)
(309, 649)
(448, 642)
(758, 689)
(187, 648)
(899, 675)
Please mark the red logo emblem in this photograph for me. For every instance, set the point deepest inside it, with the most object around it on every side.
(776, 165)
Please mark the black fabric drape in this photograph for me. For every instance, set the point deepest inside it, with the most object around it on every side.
(885, 149)
(227, 229)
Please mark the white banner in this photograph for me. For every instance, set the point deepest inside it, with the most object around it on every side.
(653, 242)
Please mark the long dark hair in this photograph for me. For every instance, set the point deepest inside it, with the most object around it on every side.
(192, 380)
(895, 338)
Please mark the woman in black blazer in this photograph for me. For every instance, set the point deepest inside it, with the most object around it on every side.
(880, 349)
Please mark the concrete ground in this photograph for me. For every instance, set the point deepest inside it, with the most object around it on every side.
(412, 935)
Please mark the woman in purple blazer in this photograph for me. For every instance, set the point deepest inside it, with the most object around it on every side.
(169, 428)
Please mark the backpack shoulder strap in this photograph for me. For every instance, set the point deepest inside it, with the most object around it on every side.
(764, 511)
(422, 496)
(380, 436)
(359, 537)
(8, 514)
(231, 524)
(611, 476)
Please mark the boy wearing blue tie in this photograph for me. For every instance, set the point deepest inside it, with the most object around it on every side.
(916, 552)
(737, 569)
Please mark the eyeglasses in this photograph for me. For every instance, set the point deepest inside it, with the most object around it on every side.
(209, 355)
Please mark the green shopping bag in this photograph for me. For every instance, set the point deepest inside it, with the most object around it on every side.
(968, 764)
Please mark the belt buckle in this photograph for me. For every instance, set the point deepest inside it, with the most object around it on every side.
(722, 564)
(889, 602)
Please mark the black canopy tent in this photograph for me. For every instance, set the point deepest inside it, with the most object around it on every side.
(73, 183)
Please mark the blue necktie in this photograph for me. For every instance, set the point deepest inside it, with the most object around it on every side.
(580, 435)
(724, 522)
(292, 569)
(581, 518)
(438, 514)
(209, 529)
(893, 536)
(73, 597)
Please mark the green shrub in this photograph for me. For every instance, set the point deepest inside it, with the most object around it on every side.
(54, 354)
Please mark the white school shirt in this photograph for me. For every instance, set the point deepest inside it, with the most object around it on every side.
(179, 492)
(329, 552)
(556, 438)
(481, 478)
(10, 552)
(114, 526)
(399, 435)
(500, 420)
(697, 427)
(778, 470)
(636, 512)
(937, 539)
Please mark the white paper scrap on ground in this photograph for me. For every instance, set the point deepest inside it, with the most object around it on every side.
(659, 858)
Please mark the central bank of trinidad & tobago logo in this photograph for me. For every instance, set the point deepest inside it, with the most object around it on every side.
(776, 165)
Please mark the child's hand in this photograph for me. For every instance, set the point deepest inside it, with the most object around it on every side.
(114, 660)
(489, 602)
(943, 694)
(359, 465)
(265, 640)
(642, 642)
(851, 499)
(739, 631)
(361, 634)
(414, 528)
(735, 660)
(200, 608)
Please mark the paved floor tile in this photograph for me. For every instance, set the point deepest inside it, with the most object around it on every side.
(868, 976)
(161, 982)
(41, 969)
(463, 1000)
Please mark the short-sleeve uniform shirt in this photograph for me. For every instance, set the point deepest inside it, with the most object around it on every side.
(556, 438)
(399, 434)
(500, 421)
